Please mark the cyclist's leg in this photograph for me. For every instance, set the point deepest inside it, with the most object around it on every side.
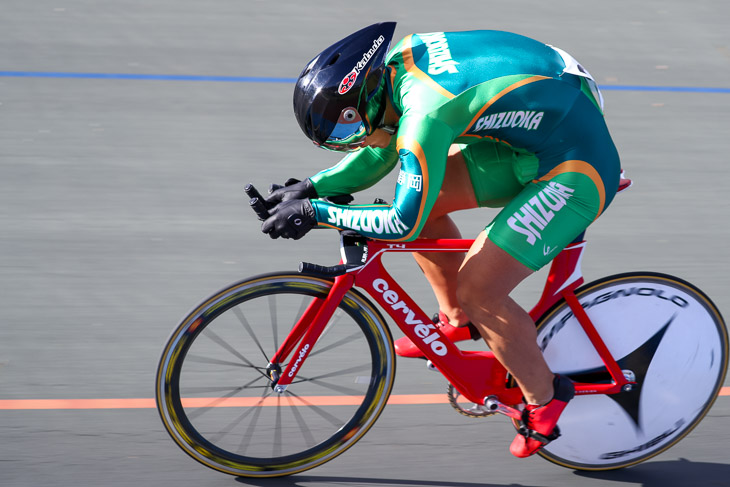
(487, 277)
(481, 173)
(527, 233)
(478, 174)
(568, 195)
(532, 229)
(441, 268)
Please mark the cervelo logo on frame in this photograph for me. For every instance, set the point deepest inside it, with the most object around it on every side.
(423, 330)
(349, 80)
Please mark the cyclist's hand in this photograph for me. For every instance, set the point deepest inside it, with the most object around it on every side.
(340, 199)
(290, 219)
(293, 189)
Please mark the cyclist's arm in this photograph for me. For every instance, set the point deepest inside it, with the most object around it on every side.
(356, 171)
(422, 145)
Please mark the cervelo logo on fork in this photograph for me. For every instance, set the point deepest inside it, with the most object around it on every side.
(423, 330)
(302, 353)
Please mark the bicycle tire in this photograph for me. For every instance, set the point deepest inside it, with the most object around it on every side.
(246, 429)
(664, 330)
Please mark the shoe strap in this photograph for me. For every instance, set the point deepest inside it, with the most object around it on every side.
(530, 433)
(440, 319)
(527, 432)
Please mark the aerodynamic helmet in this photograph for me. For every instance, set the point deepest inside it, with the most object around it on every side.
(332, 93)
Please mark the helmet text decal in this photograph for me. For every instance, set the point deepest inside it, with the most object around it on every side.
(349, 80)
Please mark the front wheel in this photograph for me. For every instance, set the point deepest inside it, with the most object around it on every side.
(214, 392)
(667, 336)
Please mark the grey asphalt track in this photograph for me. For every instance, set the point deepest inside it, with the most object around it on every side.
(121, 206)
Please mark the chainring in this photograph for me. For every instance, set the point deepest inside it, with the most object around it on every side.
(474, 411)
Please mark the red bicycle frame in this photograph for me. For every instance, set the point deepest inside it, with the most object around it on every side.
(477, 375)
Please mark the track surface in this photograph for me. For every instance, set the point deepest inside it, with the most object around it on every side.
(121, 206)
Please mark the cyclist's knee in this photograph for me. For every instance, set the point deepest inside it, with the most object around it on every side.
(477, 294)
(487, 277)
(470, 302)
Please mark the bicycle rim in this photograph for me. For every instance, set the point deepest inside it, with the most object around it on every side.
(215, 397)
(666, 333)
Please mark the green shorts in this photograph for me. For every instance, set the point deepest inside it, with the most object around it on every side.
(497, 172)
(549, 197)
(546, 216)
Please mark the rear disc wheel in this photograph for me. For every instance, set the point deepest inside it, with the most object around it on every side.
(667, 336)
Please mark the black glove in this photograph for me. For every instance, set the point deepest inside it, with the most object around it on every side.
(290, 219)
(293, 189)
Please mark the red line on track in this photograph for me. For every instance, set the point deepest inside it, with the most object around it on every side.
(147, 403)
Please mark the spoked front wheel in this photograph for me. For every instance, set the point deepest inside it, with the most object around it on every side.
(667, 336)
(215, 395)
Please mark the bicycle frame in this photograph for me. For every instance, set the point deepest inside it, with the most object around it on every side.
(477, 375)
(302, 409)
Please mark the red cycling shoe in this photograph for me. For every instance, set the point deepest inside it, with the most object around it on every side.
(404, 347)
(539, 425)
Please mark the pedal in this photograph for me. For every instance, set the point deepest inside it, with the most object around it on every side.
(496, 406)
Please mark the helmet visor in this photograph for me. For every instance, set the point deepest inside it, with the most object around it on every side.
(349, 132)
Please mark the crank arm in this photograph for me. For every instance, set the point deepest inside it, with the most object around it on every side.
(496, 406)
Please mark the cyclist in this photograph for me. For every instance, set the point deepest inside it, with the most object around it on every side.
(480, 118)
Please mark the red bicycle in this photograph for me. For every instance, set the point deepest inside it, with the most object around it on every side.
(283, 372)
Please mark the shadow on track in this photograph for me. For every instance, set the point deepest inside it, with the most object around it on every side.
(679, 473)
(310, 481)
(676, 473)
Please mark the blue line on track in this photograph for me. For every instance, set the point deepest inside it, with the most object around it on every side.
(254, 79)
(153, 77)
(679, 89)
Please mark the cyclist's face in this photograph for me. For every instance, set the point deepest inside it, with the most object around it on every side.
(379, 139)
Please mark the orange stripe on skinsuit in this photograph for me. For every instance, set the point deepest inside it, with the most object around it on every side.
(499, 95)
(584, 168)
(416, 71)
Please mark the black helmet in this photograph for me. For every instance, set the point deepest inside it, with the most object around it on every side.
(331, 94)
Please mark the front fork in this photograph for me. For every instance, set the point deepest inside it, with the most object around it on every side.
(300, 341)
